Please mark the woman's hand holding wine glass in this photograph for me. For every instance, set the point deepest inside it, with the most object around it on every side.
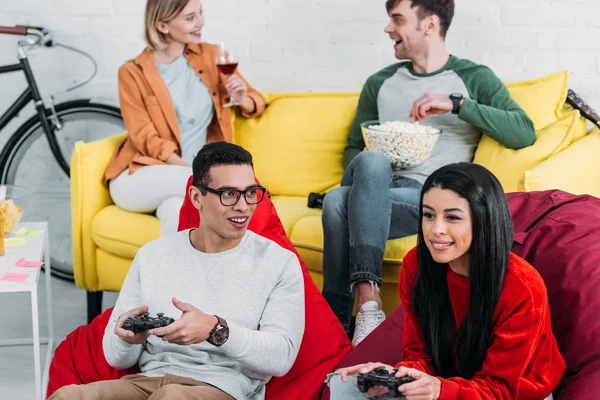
(227, 63)
(236, 88)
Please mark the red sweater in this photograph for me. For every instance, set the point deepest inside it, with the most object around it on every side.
(522, 362)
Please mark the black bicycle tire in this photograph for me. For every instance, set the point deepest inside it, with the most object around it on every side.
(31, 126)
(21, 134)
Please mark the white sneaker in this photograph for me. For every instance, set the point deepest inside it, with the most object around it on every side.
(368, 318)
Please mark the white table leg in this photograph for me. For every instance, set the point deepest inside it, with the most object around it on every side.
(48, 288)
(36, 343)
(50, 351)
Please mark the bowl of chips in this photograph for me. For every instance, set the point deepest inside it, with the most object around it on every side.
(406, 144)
(13, 200)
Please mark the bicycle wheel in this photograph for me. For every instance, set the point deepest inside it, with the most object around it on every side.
(28, 161)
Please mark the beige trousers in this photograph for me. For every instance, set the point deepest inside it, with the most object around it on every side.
(134, 387)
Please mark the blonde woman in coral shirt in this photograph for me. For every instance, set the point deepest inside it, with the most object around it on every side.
(172, 98)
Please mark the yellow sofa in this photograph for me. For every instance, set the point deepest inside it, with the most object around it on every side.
(297, 146)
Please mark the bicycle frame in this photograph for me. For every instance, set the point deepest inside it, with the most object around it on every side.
(32, 93)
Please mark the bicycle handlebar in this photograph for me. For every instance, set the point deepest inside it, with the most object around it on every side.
(16, 30)
(38, 35)
(39, 28)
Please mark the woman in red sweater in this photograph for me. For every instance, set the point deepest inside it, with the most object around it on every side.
(477, 321)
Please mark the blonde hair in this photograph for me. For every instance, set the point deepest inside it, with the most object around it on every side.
(160, 11)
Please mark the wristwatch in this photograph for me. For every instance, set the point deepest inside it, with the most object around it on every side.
(219, 334)
(456, 99)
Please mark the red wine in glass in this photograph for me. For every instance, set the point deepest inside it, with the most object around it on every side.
(227, 63)
(227, 69)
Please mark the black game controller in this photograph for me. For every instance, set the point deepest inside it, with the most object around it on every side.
(381, 377)
(145, 321)
(315, 200)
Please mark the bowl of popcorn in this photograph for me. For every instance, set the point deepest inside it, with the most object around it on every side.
(406, 144)
(13, 200)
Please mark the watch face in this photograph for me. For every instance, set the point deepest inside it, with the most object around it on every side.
(220, 336)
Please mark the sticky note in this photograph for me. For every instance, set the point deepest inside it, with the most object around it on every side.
(22, 232)
(29, 264)
(13, 241)
(14, 277)
(26, 232)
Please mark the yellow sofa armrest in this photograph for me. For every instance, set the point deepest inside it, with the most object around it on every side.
(88, 197)
(575, 170)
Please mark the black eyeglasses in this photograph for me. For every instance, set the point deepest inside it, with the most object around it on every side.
(230, 197)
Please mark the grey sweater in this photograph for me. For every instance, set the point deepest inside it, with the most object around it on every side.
(389, 95)
(257, 287)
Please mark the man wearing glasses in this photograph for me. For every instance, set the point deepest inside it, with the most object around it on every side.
(237, 299)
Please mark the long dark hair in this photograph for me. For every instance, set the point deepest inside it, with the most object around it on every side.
(488, 257)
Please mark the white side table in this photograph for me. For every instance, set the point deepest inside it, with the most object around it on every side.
(36, 248)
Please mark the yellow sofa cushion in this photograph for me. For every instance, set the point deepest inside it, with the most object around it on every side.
(121, 232)
(510, 165)
(88, 197)
(112, 270)
(308, 235)
(292, 209)
(581, 125)
(299, 141)
(542, 98)
(571, 170)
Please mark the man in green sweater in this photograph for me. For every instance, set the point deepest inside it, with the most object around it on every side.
(375, 202)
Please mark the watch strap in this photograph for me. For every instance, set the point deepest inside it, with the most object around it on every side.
(220, 321)
(456, 99)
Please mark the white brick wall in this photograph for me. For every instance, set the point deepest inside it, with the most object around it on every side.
(318, 45)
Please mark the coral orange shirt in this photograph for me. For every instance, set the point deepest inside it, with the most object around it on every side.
(149, 113)
(523, 361)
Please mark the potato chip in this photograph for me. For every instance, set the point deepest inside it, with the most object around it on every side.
(10, 213)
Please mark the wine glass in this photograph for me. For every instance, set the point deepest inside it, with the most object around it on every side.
(227, 63)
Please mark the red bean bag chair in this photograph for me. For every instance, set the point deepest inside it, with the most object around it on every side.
(80, 358)
(323, 346)
(559, 234)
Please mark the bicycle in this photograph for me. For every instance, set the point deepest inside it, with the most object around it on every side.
(35, 156)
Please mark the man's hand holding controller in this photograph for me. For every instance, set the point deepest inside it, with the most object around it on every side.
(192, 327)
(129, 336)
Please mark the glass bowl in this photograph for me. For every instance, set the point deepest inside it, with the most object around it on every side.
(405, 144)
(13, 201)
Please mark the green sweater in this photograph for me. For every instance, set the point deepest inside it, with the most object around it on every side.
(488, 107)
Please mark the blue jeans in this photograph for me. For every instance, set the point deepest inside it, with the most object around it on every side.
(370, 207)
(340, 390)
